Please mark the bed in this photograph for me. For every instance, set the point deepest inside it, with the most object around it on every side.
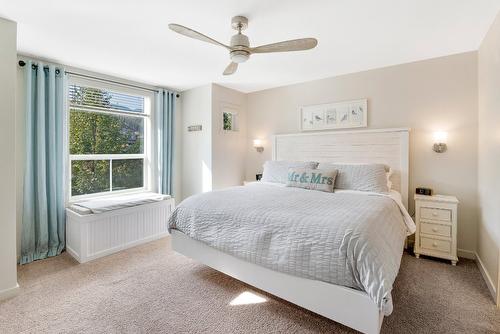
(282, 239)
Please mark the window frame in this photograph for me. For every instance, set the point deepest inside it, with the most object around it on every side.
(147, 155)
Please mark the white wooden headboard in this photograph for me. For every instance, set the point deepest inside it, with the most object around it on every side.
(387, 146)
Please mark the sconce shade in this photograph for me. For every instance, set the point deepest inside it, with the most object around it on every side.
(440, 139)
(257, 143)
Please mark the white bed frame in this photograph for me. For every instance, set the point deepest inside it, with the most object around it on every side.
(350, 307)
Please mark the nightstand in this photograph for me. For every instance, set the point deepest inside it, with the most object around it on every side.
(436, 220)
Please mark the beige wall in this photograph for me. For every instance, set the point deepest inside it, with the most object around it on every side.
(228, 147)
(8, 271)
(489, 153)
(436, 94)
(196, 145)
(212, 158)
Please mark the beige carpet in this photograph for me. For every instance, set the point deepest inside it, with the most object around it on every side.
(150, 289)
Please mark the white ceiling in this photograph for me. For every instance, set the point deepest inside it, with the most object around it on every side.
(130, 38)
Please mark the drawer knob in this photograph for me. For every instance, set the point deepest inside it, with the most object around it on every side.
(434, 244)
(434, 229)
(435, 214)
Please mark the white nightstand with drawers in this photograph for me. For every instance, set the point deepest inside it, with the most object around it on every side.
(436, 220)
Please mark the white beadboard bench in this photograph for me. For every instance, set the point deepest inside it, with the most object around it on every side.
(93, 235)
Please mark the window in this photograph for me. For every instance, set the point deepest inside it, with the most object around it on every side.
(108, 139)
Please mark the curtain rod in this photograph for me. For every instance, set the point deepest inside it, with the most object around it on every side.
(22, 63)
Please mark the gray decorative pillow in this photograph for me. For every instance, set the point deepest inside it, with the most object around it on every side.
(362, 177)
(277, 171)
(313, 179)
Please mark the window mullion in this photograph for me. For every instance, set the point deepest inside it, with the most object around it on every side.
(107, 111)
(110, 174)
(106, 156)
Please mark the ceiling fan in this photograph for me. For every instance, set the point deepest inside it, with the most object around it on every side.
(239, 48)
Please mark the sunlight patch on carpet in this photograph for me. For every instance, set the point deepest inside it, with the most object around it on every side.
(247, 298)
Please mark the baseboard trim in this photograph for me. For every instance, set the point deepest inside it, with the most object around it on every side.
(487, 278)
(466, 254)
(9, 293)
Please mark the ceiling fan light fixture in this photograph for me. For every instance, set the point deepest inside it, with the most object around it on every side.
(239, 56)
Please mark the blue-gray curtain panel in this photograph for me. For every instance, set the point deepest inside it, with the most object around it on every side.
(43, 229)
(165, 109)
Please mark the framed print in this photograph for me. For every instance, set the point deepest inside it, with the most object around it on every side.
(336, 115)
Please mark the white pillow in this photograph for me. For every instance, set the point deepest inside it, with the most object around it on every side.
(312, 179)
(277, 171)
(361, 177)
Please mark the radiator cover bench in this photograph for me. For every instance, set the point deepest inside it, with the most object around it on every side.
(90, 236)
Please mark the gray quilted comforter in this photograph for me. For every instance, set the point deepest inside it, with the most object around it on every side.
(347, 238)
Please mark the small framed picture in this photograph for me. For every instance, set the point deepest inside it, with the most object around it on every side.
(331, 116)
(336, 115)
(318, 117)
(229, 119)
(357, 113)
(343, 116)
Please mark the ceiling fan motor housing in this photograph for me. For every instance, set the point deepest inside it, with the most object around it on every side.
(240, 46)
(240, 40)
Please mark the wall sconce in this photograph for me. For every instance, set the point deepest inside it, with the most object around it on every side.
(257, 143)
(440, 138)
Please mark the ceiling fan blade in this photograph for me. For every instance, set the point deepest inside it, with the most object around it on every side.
(194, 34)
(231, 68)
(292, 45)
